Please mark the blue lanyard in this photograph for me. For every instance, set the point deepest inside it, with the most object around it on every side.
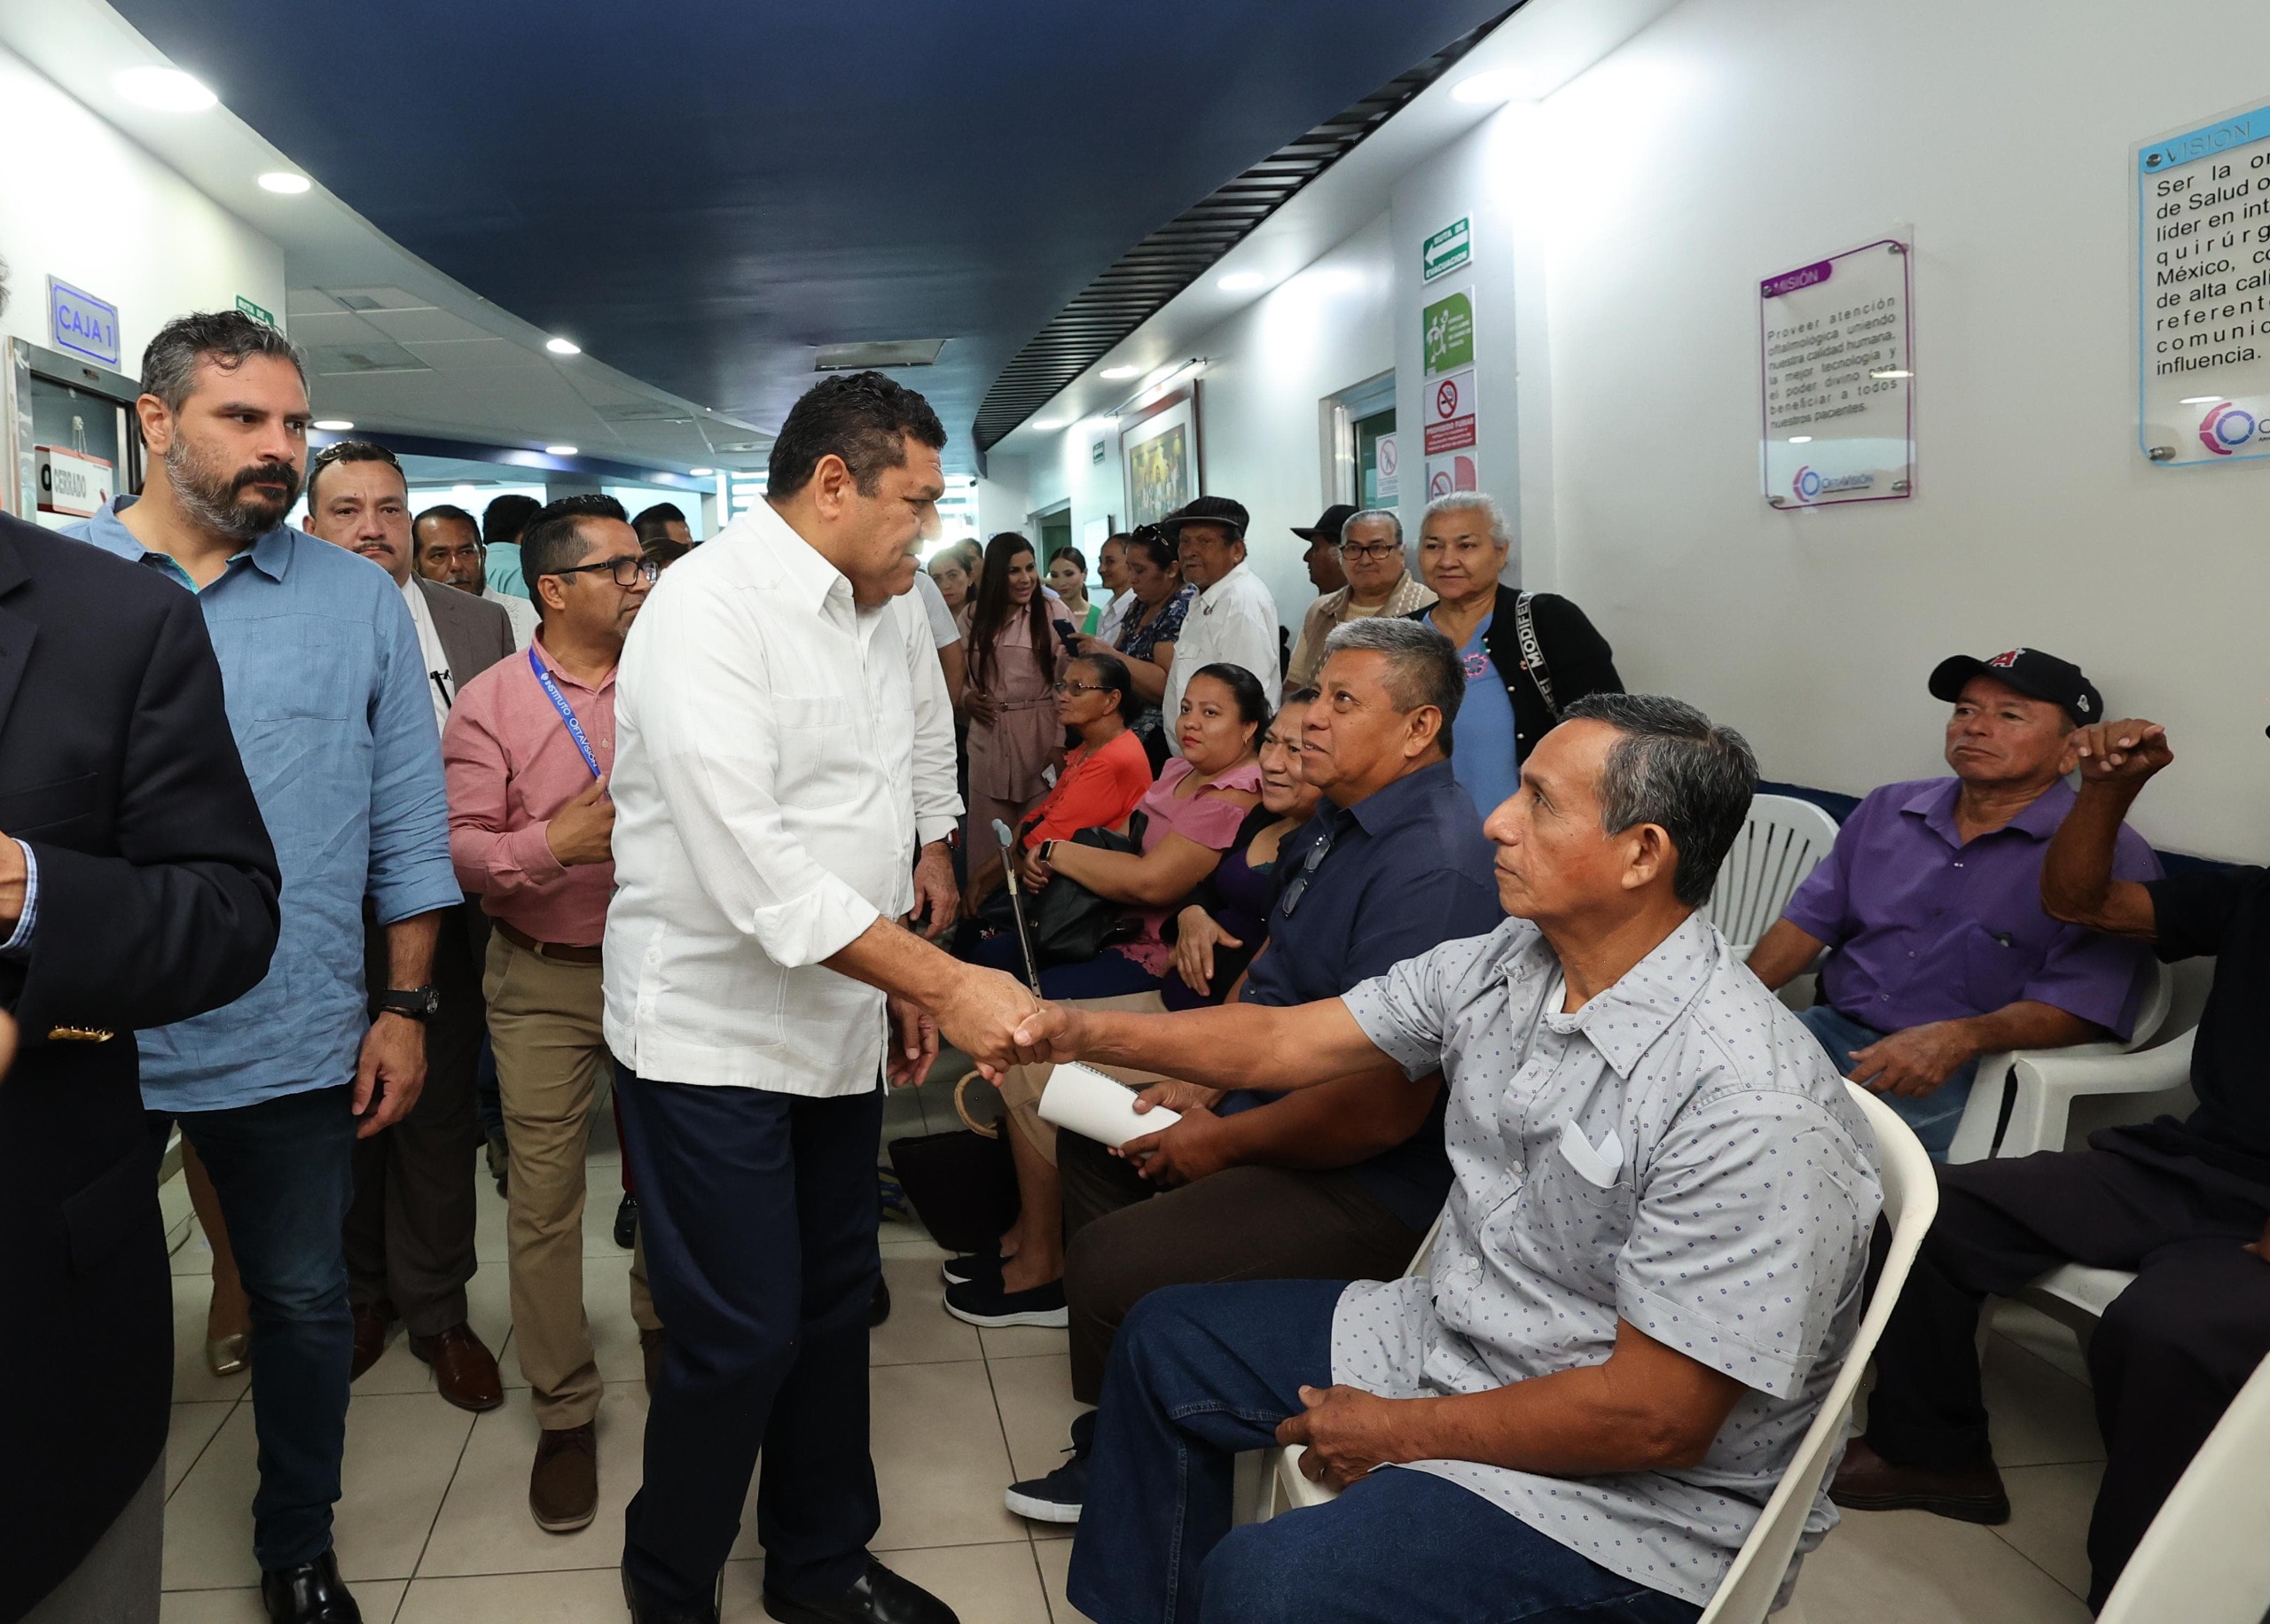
(559, 703)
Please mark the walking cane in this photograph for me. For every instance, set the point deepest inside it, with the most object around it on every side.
(1017, 903)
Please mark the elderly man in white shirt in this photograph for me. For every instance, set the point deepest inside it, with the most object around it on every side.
(1234, 620)
(1649, 1268)
(784, 744)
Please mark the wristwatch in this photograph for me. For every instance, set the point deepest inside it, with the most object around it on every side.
(1046, 846)
(418, 1002)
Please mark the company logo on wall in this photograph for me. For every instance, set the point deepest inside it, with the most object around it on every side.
(2226, 428)
(1810, 485)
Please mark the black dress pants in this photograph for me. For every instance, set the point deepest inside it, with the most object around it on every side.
(1124, 1238)
(410, 1230)
(759, 1213)
(2170, 1355)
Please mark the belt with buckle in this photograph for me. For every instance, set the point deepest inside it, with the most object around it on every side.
(560, 952)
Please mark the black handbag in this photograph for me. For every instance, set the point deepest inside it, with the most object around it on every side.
(1069, 923)
(962, 1184)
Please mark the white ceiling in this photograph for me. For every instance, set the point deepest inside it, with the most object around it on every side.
(392, 342)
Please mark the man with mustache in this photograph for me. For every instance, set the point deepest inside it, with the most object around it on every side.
(326, 695)
(409, 1231)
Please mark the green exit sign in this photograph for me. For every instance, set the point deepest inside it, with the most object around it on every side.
(254, 311)
(1446, 250)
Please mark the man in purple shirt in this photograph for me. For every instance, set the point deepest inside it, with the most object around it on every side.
(1930, 904)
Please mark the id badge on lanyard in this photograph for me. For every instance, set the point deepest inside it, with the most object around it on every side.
(567, 714)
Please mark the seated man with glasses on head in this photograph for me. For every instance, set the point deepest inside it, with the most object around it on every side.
(1338, 1180)
(1365, 549)
(1650, 1267)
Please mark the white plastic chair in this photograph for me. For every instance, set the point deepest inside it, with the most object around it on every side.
(2047, 1081)
(2203, 1560)
(1784, 840)
(1746, 1595)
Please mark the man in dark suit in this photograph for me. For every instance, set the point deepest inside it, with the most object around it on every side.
(138, 888)
(410, 1247)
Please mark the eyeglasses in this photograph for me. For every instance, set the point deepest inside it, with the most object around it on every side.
(1368, 550)
(1064, 685)
(627, 571)
(1297, 886)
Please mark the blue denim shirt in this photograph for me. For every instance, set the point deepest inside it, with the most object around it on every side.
(1407, 870)
(328, 699)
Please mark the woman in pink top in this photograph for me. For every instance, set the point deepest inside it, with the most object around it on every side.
(1010, 700)
(1193, 815)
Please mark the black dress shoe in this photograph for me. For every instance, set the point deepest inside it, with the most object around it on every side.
(646, 1608)
(879, 1305)
(309, 1594)
(879, 1598)
(626, 1223)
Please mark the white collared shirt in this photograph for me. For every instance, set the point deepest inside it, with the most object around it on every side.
(523, 615)
(439, 687)
(1233, 622)
(780, 752)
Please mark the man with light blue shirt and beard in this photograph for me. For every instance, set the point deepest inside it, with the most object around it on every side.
(326, 696)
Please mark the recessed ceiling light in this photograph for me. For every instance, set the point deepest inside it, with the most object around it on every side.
(163, 89)
(699, 474)
(1049, 426)
(285, 183)
(559, 450)
(1892, 372)
(1117, 372)
(1241, 282)
(1493, 85)
(2199, 400)
(563, 346)
(331, 425)
(1801, 440)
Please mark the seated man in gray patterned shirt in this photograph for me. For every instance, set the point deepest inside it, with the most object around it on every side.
(1649, 1270)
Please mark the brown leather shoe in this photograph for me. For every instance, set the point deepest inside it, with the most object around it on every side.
(464, 1369)
(651, 1345)
(1868, 1482)
(564, 1483)
(373, 1324)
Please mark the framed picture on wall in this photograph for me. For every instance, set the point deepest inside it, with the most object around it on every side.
(1159, 452)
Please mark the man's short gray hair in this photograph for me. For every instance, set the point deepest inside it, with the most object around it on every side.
(1423, 665)
(1386, 516)
(1501, 528)
(226, 338)
(1675, 767)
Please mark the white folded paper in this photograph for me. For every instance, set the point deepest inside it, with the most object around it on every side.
(1096, 1107)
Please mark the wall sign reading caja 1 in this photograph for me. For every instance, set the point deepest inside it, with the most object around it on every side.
(2203, 290)
(81, 324)
(1835, 364)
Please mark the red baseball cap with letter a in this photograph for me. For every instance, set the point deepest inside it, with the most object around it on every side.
(2030, 671)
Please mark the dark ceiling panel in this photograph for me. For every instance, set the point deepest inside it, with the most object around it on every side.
(701, 192)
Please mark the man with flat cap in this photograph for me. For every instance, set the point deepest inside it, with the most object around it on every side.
(1930, 904)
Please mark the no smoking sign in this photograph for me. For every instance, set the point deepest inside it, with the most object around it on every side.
(1450, 412)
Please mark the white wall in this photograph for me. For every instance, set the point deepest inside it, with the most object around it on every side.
(1738, 137)
(1269, 370)
(82, 202)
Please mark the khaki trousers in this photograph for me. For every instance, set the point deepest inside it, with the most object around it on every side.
(1021, 1086)
(545, 1025)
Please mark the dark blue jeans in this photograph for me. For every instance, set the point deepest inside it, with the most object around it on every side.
(284, 1169)
(759, 1214)
(1934, 1116)
(1201, 1372)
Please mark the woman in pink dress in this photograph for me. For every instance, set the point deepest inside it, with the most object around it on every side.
(1010, 702)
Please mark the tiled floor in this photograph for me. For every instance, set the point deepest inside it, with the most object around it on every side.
(434, 1527)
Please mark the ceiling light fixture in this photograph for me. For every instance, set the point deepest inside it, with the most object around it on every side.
(1241, 282)
(1117, 372)
(563, 346)
(1051, 426)
(1492, 85)
(284, 183)
(331, 425)
(699, 474)
(163, 89)
(559, 450)
(1801, 440)
(1892, 372)
(2199, 400)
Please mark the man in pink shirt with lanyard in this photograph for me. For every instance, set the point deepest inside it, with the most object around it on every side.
(528, 748)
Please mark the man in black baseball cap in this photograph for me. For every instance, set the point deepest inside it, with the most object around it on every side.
(1323, 556)
(1929, 905)
(1234, 620)
(2032, 673)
